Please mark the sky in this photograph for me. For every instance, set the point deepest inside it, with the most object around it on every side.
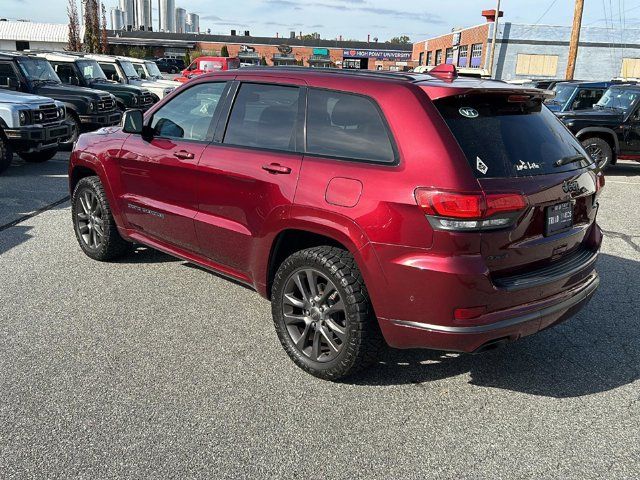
(355, 19)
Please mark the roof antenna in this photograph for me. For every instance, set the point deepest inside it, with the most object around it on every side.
(444, 71)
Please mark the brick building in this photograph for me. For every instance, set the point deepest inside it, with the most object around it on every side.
(463, 47)
(275, 51)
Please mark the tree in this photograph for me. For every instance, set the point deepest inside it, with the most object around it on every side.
(402, 40)
(310, 36)
(224, 52)
(263, 61)
(103, 33)
(91, 26)
(74, 44)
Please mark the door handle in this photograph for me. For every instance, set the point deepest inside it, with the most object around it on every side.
(183, 155)
(276, 169)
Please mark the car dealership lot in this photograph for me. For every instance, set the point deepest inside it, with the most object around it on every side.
(153, 367)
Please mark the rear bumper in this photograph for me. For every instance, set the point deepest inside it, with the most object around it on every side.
(34, 138)
(100, 120)
(508, 325)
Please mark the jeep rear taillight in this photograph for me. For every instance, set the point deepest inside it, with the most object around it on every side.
(469, 211)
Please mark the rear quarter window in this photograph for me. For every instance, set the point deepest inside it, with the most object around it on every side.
(503, 138)
(347, 126)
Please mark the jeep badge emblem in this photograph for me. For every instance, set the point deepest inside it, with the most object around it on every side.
(468, 112)
(570, 186)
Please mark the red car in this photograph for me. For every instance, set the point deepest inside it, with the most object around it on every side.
(420, 210)
(202, 65)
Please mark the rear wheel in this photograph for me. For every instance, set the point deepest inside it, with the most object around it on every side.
(599, 150)
(93, 222)
(38, 157)
(6, 155)
(323, 315)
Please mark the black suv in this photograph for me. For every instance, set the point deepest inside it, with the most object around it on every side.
(87, 109)
(170, 65)
(77, 70)
(611, 129)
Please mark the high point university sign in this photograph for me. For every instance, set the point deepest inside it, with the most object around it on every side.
(377, 54)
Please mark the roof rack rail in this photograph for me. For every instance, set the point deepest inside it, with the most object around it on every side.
(338, 71)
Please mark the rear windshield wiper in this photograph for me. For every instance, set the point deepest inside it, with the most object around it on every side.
(569, 159)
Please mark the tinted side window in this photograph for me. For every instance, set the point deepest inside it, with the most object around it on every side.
(264, 116)
(140, 70)
(110, 71)
(7, 72)
(188, 116)
(347, 126)
(65, 72)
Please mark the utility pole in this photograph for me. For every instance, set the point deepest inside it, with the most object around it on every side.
(575, 39)
(493, 40)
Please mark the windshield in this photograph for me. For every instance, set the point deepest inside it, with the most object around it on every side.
(526, 139)
(37, 69)
(153, 70)
(619, 99)
(91, 70)
(128, 69)
(563, 94)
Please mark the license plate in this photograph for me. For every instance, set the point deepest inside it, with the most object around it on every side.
(559, 218)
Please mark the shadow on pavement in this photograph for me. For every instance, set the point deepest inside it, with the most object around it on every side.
(624, 168)
(596, 351)
(19, 234)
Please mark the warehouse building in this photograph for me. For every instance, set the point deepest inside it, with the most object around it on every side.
(535, 51)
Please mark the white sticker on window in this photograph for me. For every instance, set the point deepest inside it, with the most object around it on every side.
(481, 166)
(527, 166)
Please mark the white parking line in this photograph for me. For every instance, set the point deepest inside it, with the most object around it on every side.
(626, 183)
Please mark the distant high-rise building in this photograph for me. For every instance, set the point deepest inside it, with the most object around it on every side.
(167, 15)
(193, 20)
(129, 15)
(117, 22)
(143, 15)
(181, 20)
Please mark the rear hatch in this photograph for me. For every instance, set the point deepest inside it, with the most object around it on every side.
(514, 144)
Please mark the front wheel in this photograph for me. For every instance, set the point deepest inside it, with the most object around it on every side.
(323, 315)
(38, 157)
(599, 150)
(6, 155)
(74, 134)
(93, 222)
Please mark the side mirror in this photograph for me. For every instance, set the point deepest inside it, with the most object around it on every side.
(74, 81)
(133, 121)
(13, 84)
(114, 77)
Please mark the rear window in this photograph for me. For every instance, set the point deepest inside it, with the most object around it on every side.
(346, 126)
(503, 138)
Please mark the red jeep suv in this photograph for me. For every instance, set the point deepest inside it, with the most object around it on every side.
(420, 210)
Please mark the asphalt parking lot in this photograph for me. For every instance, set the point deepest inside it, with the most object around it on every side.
(153, 368)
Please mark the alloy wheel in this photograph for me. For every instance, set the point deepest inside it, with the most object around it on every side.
(314, 315)
(89, 217)
(596, 154)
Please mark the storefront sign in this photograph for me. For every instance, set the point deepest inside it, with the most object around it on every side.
(378, 54)
(321, 51)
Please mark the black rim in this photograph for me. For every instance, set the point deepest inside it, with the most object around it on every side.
(74, 129)
(596, 154)
(89, 219)
(314, 315)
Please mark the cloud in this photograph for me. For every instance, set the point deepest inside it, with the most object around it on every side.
(361, 6)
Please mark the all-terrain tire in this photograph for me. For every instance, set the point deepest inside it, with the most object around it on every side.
(75, 132)
(112, 245)
(363, 341)
(600, 151)
(6, 154)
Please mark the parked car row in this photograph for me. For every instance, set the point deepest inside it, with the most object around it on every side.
(604, 116)
(73, 92)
